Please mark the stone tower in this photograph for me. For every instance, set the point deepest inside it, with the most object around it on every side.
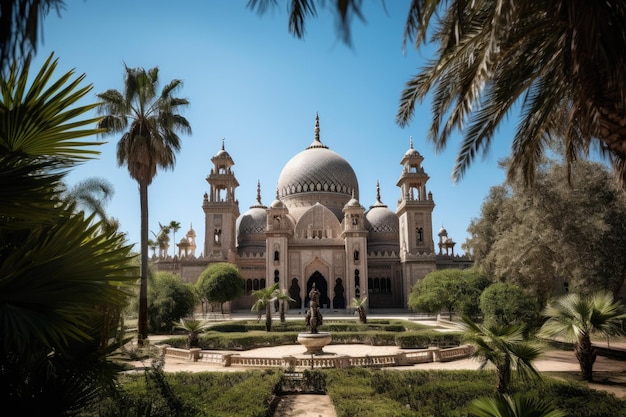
(415, 209)
(221, 208)
(355, 234)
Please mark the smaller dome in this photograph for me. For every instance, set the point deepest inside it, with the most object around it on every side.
(353, 202)
(184, 241)
(382, 220)
(412, 151)
(222, 152)
(442, 232)
(252, 221)
(277, 204)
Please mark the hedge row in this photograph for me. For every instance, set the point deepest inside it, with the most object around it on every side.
(255, 339)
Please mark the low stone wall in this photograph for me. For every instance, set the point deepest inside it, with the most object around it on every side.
(433, 354)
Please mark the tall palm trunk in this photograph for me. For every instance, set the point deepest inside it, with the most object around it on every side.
(142, 322)
(504, 376)
(586, 355)
(268, 317)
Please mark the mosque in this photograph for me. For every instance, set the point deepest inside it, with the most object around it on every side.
(317, 231)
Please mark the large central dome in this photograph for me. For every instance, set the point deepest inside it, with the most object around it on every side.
(317, 169)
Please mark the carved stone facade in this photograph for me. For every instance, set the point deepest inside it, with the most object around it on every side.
(316, 231)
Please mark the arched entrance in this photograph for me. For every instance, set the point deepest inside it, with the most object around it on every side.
(322, 287)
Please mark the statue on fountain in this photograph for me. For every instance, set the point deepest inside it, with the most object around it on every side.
(313, 316)
(314, 341)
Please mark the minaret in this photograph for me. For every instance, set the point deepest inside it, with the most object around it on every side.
(354, 235)
(221, 208)
(277, 234)
(415, 207)
(415, 213)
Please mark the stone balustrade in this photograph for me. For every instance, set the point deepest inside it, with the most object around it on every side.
(433, 354)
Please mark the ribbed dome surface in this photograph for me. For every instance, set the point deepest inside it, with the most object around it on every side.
(252, 221)
(317, 169)
(382, 220)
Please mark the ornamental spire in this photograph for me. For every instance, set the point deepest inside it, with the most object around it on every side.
(317, 143)
(377, 191)
(258, 203)
(317, 127)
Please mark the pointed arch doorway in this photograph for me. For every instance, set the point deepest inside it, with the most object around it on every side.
(322, 286)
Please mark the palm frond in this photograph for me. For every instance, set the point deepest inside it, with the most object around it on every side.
(36, 118)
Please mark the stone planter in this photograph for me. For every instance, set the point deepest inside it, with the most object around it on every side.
(314, 342)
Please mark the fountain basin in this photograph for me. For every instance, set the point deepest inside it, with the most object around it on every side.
(314, 342)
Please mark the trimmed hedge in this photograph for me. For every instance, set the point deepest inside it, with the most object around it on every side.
(371, 393)
(244, 335)
(428, 338)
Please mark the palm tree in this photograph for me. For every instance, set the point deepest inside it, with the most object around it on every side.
(149, 123)
(515, 406)
(558, 64)
(62, 276)
(163, 238)
(92, 194)
(359, 304)
(194, 328)
(265, 298)
(20, 21)
(283, 297)
(504, 347)
(153, 244)
(174, 226)
(575, 318)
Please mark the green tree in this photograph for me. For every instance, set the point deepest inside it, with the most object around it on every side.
(219, 283)
(523, 238)
(174, 226)
(63, 278)
(575, 318)
(505, 348)
(506, 304)
(556, 64)
(169, 300)
(149, 122)
(454, 290)
(265, 297)
(517, 405)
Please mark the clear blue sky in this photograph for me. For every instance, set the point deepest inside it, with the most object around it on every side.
(253, 84)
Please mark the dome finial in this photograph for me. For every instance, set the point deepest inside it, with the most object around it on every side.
(377, 191)
(258, 192)
(317, 127)
(276, 193)
(411, 141)
(223, 144)
(317, 143)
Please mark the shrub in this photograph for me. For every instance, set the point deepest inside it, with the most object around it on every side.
(427, 338)
(169, 300)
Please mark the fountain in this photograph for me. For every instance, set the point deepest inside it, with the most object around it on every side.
(314, 341)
